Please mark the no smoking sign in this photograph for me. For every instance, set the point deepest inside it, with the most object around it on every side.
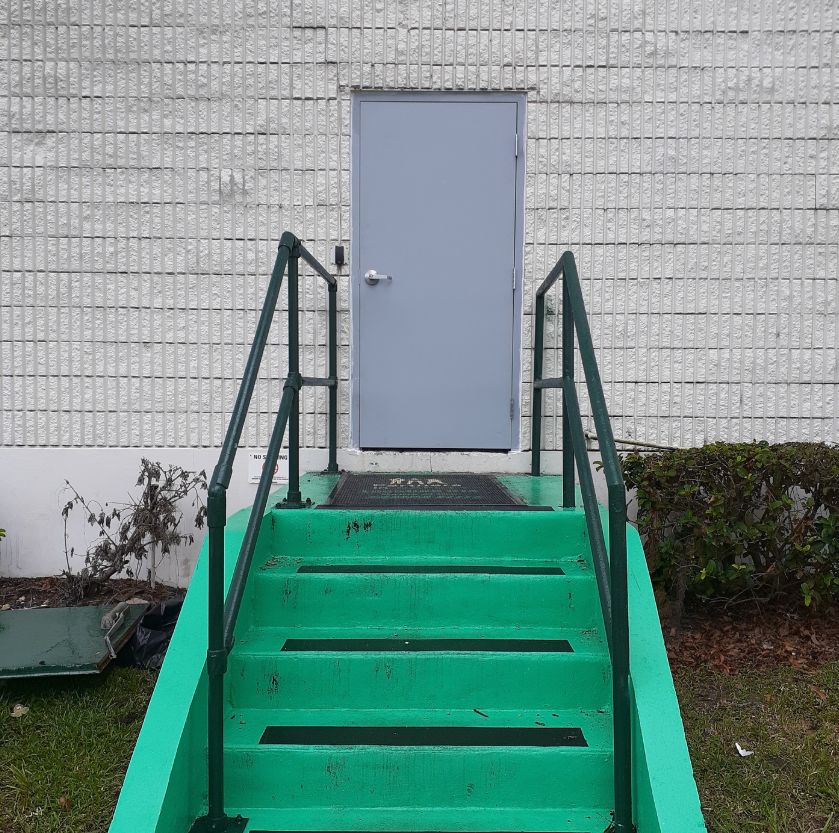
(256, 462)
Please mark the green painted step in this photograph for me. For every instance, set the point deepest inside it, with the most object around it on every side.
(262, 674)
(467, 775)
(245, 726)
(373, 776)
(422, 819)
(551, 537)
(395, 599)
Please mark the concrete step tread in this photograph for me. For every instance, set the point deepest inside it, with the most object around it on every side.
(244, 727)
(424, 820)
(572, 564)
(278, 775)
(270, 640)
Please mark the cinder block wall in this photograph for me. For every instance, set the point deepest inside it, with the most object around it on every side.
(153, 152)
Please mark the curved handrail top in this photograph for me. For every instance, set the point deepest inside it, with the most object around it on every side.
(224, 467)
(600, 412)
(566, 267)
(288, 242)
(316, 265)
(555, 273)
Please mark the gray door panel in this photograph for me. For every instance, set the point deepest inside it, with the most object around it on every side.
(437, 212)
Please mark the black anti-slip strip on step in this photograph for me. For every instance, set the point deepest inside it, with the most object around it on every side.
(421, 736)
(424, 491)
(431, 569)
(512, 646)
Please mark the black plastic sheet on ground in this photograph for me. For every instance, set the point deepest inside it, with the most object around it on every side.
(147, 647)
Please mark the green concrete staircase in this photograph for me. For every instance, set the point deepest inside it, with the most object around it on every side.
(502, 641)
(415, 671)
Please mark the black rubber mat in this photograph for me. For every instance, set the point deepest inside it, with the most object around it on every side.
(424, 491)
(421, 736)
(431, 569)
(520, 646)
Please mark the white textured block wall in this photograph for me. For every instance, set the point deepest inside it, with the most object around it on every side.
(153, 151)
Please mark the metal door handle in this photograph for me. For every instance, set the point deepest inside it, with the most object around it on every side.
(372, 277)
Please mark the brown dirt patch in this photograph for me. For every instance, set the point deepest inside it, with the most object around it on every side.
(50, 591)
(750, 637)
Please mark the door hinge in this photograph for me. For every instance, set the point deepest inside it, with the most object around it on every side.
(514, 277)
(517, 145)
(511, 408)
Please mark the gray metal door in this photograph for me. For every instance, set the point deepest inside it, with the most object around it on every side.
(436, 211)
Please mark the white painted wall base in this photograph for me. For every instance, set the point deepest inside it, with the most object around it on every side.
(33, 492)
(513, 462)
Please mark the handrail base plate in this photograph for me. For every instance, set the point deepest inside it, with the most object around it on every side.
(285, 503)
(227, 824)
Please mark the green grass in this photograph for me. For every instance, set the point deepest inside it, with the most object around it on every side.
(790, 720)
(78, 736)
(75, 742)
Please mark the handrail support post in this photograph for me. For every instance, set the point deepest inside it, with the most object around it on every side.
(216, 520)
(621, 701)
(536, 414)
(332, 464)
(294, 499)
(568, 495)
(216, 820)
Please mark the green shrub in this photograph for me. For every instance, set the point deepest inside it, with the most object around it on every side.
(734, 519)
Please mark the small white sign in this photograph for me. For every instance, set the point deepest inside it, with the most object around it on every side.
(256, 462)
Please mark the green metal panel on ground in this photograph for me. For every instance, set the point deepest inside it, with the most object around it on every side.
(43, 642)
(355, 577)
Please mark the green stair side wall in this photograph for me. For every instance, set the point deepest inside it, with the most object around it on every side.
(666, 800)
(165, 787)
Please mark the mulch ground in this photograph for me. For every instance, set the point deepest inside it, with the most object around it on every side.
(50, 591)
(745, 637)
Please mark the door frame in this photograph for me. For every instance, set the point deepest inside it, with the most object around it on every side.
(516, 357)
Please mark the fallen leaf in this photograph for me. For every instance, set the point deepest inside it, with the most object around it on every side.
(20, 710)
(65, 802)
(820, 694)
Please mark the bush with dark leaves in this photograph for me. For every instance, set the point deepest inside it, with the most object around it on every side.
(736, 520)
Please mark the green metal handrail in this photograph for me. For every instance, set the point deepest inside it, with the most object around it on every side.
(222, 615)
(609, 564)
